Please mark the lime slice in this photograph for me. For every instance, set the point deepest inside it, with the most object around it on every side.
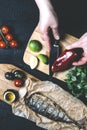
(35, 45)
(43, 58)
(33, 62)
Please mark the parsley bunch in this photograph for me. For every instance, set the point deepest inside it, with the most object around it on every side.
(76, 80)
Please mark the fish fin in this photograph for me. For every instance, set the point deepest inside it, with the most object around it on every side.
(81, 123)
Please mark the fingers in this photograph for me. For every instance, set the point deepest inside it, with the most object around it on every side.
(46, 38)
(74, 45)
(79, 43)
(55, 33)
(82, 61)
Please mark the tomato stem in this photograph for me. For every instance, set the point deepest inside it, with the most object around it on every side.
(7, 43)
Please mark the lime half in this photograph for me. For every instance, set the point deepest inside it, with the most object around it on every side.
(35, 45)
(43, 58)
(33, 62)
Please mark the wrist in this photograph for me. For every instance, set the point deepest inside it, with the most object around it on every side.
(44, 5)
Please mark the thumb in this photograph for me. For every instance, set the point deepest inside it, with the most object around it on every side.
(73, 45)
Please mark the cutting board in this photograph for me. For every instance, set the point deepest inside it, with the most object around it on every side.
(8, 84)
(66, 40)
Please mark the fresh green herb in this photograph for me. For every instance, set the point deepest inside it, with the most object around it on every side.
(76, 80)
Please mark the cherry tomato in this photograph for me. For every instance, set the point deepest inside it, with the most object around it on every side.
(13, 44)
(9, 37)
(0, 37)
(18, 74)
(9, 75)
(5, 29)
(18, 82)
(2, 44)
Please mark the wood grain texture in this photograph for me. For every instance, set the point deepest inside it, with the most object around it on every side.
(42, 67)
(6, 84)
(66, 40)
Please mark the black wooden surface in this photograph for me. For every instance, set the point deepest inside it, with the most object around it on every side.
(22, 17)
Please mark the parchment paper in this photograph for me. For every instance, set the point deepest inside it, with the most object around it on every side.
(76, 109)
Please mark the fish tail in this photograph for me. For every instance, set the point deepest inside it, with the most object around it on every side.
(80, 123)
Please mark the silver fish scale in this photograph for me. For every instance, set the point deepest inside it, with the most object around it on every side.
(49, 111)
(43, 107)
(38, 104)
(32, 101)
(55, 114)
(66, 118)
(61, 115)
(48, 108)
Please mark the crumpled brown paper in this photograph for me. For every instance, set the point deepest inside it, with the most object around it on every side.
(73, 106)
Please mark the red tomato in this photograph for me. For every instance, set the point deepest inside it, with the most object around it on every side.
(5, 29)
(9, 37)
(13, 44)
(0, 37)
(18, 82)
(2, 44)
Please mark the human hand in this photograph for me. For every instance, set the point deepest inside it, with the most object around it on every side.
(47, 20)
(82, 42)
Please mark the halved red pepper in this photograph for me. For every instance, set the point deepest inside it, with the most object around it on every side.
(66, 58)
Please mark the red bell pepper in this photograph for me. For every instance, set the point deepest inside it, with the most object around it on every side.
(66, 58)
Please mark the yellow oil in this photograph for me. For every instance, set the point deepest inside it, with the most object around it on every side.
(10, 97)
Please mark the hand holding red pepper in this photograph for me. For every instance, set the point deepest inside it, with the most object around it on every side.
(66, 59)
(82, 42)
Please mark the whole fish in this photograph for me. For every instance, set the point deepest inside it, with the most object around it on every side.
(48, 108)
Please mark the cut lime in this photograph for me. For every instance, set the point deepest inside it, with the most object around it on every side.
(43, 58)
(33, 62)
(35, 45)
